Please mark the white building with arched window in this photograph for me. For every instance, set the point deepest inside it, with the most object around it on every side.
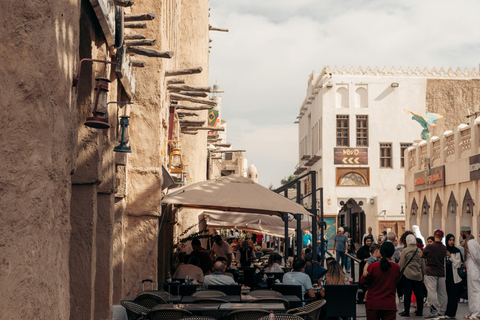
(353, 132)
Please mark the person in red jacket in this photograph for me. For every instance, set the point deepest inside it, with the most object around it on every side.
(381, 279)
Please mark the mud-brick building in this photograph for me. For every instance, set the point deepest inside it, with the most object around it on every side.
(79, 222)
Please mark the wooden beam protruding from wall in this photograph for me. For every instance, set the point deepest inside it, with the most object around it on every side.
(192, 122)
(216, 29)
(181, 97)
(192, 108)
(134, 36)
(180, 72)
(187, 114)
(194, 94)
(151, 52)
(135, 25)
(140, 42)
(139, 63)
(189, 132)
(203, 128)
(175, 80)
(139, 17)
(123, 3)
(189, 88)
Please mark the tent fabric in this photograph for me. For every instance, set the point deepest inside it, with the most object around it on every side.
(252, 222)
(233, 193)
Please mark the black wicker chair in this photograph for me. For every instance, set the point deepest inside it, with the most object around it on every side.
(209, 294)
(283, 316)
(168, 314)
(134, 310)
(149, 299)
(265, 293)
(249, 314)
(198, 318)
(310, 311)
(217, 314)
(230, 290)
(272, 300)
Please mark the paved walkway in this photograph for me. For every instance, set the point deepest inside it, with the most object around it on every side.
(462, 311)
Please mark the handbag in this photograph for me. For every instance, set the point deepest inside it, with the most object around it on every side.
(462, 272)
(403, 269)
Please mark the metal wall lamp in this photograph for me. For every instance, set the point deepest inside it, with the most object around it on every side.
(394, 85)
(123, 136)
(176, 161)
(100, 110)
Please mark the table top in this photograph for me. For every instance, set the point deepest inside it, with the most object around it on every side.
(193, 307)
(289, 298)
(245, 306)
(190, 299)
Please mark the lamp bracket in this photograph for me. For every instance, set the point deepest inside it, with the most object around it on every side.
(76, 77)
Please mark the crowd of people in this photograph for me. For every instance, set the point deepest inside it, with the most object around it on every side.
(436, 274)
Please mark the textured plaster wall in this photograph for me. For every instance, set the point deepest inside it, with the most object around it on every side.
(451, 98)
(38, 53)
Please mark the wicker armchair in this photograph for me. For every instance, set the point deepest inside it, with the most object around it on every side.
(272, 300)
(163, 294)
(265, 293)
(309, 312)
(168, 314)
(283, 316)
(209, 294)
(149, 299)
(134, 310)
(249, 314)
(217, 314)
(198, 318)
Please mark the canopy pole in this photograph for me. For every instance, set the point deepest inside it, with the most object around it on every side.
(314, 224)
(286, 241)
(299, 225)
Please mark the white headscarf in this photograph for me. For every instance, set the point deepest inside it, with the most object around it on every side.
(411, 240)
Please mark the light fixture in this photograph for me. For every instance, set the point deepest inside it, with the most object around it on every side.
(425, 208)
(123, 135)
(394, 84)
(437, 207)
(372, 202)
(468, 209)
(329, 84)
(401, 209)
(176, 161)
(329, 202)
(100, 114)
(452, 208)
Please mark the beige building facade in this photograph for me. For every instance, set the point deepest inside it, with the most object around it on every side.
(82, 225)
(442, 181)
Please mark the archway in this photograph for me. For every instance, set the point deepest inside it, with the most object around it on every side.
(437, 213)
(425, 212)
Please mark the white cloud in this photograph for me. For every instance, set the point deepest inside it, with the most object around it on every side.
(264, 62)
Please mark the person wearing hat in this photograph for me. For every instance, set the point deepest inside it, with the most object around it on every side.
(222, 249)
(472, 263)
(434, 280)
(244, 255)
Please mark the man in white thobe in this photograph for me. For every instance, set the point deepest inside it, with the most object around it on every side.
(472, 262)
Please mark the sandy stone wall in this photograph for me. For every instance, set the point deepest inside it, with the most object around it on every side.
(38, 53)
(451, 98)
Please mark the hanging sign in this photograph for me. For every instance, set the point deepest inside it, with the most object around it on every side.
(350, 156)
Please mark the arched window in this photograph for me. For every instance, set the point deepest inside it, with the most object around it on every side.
(341, 98)
(352, 179)
(361, 98)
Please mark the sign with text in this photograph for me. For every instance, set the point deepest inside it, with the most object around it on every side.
(474, 167)
(350, 156)
(432, 178)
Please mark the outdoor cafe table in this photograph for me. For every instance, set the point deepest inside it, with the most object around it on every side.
(227, 307)
(191, 299)
(192, 307)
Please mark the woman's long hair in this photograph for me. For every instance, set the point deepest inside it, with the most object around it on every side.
(334, 274)
(387, 250)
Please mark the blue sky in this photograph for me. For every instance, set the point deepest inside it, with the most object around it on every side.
(264, 62)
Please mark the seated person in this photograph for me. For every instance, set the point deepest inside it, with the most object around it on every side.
(217, 277)
(244, 255)
(190, 269)
(222, 259)
(298, 277)
(333, 276)
(309, 270)
(273, 265)
(205, 262)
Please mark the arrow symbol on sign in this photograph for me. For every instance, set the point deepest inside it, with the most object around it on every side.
(344, 160)
(356, 160)
(350, 160)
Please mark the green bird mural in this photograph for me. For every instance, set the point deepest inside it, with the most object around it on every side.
(425, 121)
